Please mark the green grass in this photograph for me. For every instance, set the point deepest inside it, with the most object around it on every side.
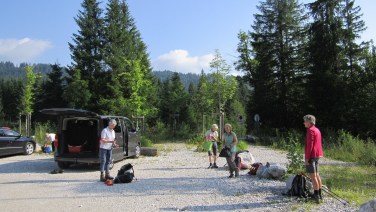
(352, 149)
(353, 183)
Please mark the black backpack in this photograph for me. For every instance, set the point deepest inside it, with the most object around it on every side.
(299, 187)
(125, 174)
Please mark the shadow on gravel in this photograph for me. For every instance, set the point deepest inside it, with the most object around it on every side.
(45, 181)
(176, 186)
(44, 165)
(226, 207)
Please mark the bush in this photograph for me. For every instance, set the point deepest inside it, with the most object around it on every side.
(145, 142)
(198, 140)
(294, 155)
(242, 145)
(40, 131)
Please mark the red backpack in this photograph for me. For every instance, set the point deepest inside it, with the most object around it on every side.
(254, 167)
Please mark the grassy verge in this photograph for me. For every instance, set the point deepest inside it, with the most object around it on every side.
(353, 183)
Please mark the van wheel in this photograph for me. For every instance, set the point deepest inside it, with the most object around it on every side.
(63, 165)
(137, 151)
(28, 148)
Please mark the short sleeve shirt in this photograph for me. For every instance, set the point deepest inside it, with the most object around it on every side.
(210, 135)
(229, 139)
(108, 135)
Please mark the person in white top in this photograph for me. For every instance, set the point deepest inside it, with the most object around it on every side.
(107, 142)
(212, 136)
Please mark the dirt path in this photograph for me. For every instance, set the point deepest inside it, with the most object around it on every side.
(176, 180)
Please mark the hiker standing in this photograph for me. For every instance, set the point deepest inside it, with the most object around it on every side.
(230, 141)
(105, 152)
(313, 151)
(212, 136)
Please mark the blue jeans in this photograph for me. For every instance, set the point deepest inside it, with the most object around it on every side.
(105, 156)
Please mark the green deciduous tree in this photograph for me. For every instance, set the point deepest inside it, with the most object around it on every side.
(223, 86)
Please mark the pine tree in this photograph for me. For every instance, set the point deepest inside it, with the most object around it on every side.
(87, 49)
(12, 92)
(272, 56)
(125, 56)
(52, 89)
(77, 93)
(325, 86)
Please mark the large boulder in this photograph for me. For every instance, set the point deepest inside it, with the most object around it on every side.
(368, 206)
(147, 151)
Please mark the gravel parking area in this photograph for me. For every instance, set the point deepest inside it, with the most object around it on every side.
(176, 180)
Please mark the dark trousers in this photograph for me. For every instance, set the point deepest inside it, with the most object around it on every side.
(232, 165)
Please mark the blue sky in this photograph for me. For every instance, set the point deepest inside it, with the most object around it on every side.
(181, 35)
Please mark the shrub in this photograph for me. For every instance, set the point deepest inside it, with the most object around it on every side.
(146, 142)
(40, 131)
(242, 145)
(294, 155)
(198, 140)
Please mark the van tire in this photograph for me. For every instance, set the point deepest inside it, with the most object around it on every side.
(137, 151)
(63, 165)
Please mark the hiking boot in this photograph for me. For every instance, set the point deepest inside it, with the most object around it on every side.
(108, 176)
(210, 166)
(215, 166)
(231, 175)
(320, 194)
(316, 197)
(236, 172)
(102, 178)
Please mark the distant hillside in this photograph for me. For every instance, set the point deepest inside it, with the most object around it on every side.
(9, 70)
(185, 78)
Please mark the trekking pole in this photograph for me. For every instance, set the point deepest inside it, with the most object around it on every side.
(328, 191)
(334, 195)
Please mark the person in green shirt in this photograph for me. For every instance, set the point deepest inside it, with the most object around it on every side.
(229, 140)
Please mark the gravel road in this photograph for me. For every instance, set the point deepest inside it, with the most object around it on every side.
(176, 180)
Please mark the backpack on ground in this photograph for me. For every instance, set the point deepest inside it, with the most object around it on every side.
(125, 174)
(254, 167)
(299, 187)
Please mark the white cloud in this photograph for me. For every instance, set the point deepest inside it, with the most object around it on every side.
(22, 50)
(180, 61)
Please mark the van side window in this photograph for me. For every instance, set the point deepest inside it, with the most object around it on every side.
(129, 125)
(118, 126)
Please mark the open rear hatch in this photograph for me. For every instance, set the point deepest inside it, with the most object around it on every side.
(79, 132)
(68, 112)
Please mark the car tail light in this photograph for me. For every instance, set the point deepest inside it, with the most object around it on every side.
(56, 141)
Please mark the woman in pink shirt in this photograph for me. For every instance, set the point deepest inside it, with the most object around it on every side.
(313, 151)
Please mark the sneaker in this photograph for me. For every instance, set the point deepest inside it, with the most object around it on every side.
(215, 166)
(102, 178)
(210, 166)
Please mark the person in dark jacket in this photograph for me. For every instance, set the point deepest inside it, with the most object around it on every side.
(313, 152)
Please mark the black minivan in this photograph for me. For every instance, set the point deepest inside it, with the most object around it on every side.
(78, 135)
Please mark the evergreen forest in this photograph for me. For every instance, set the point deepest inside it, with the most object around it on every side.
(295, 59)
